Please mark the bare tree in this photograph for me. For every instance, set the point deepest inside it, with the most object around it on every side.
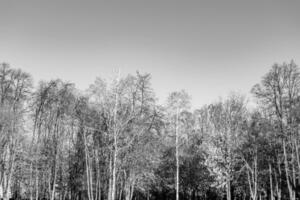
(177, 102)
(278, 93)
(225, 121)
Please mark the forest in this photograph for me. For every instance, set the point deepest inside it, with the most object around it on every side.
(114, 141)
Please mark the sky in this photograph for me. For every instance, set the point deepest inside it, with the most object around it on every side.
(209, 48)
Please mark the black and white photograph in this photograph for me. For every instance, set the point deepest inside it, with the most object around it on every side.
(149, 100)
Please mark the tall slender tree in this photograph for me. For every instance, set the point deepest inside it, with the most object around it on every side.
(176, 103)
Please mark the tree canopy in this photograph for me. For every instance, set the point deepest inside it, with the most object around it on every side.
(114, 141)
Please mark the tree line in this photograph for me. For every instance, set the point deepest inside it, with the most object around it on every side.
(115, 142)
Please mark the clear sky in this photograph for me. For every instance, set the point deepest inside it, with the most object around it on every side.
(208, 48)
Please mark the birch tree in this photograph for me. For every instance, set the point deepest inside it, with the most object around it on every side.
(278, 93)
(15, 88)
(225, 120)
(176, 103)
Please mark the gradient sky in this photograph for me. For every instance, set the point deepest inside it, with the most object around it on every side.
(208, 48)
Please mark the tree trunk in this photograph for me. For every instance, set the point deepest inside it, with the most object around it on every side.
(37, 184)
(252, 179)
(115, 143)
(177, 157)
(90, 178)
(271, 182)
(88, 170)
(286, 167)
(9, 176)
(114, 169)
(297, 154)
(277, 179)
(228, 188)
(98, 184)
(110, 178)
(30, 181)
(36, 169)
(55, 177)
